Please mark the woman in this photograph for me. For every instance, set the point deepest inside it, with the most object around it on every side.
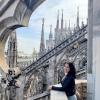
(68, 82)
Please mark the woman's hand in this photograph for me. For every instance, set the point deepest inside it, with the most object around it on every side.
(50, 88)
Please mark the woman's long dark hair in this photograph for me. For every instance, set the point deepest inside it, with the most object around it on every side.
(72, 71)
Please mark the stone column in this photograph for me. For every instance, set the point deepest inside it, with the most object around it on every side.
(90, 52)
(51, 72)
(3, 64)
(19, 91)
(93, 74)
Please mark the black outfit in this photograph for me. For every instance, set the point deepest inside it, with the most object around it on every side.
(68, 85)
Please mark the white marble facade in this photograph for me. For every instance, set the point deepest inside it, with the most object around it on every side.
(94, 51)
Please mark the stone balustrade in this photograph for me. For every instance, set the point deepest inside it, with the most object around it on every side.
(42, 96)
(57, 95)
(81, 92)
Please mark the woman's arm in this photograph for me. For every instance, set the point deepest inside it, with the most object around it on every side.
(65, 84)
(57, 88)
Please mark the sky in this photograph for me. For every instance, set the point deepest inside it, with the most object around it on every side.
(29, 37)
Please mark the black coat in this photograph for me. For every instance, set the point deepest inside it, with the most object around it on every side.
(68, 85)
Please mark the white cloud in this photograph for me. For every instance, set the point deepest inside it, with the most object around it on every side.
(27, 45)
(48, 10)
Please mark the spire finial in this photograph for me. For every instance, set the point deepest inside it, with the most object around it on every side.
(78, 17)
(58, 15)
(69, 23)
(62, 20)
(69, 29)
(82, 23)
(42, 20)
(65, 25)
(62, 13)
(57, 25)
(78, 11)
(50, 35)
(74, 28)
(50, 28)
